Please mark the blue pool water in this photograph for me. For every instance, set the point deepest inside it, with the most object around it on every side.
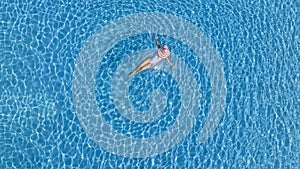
(232, 102)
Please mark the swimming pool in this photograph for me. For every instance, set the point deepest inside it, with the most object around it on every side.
(67, 102)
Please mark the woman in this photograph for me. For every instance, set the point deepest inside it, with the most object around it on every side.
(163, 52)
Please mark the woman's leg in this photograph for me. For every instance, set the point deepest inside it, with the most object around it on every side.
(147, 66)
(140, 66)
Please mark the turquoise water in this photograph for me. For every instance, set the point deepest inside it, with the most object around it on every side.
(66, 100)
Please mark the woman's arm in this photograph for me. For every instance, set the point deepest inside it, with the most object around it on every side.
(170, 63)
(156, 41)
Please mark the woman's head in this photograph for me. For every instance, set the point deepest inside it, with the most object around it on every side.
(164, 52)
(165, 48)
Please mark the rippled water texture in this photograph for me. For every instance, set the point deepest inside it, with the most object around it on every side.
(84, 97)
(67, 102)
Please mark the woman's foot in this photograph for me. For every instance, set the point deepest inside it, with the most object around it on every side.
(132, 73)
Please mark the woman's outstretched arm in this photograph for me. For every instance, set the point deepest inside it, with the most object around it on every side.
(156, 41)
(170, 63)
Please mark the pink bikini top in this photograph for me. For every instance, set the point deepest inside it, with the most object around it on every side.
(163, 52)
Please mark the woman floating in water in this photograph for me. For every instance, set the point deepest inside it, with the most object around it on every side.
(163, 52)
